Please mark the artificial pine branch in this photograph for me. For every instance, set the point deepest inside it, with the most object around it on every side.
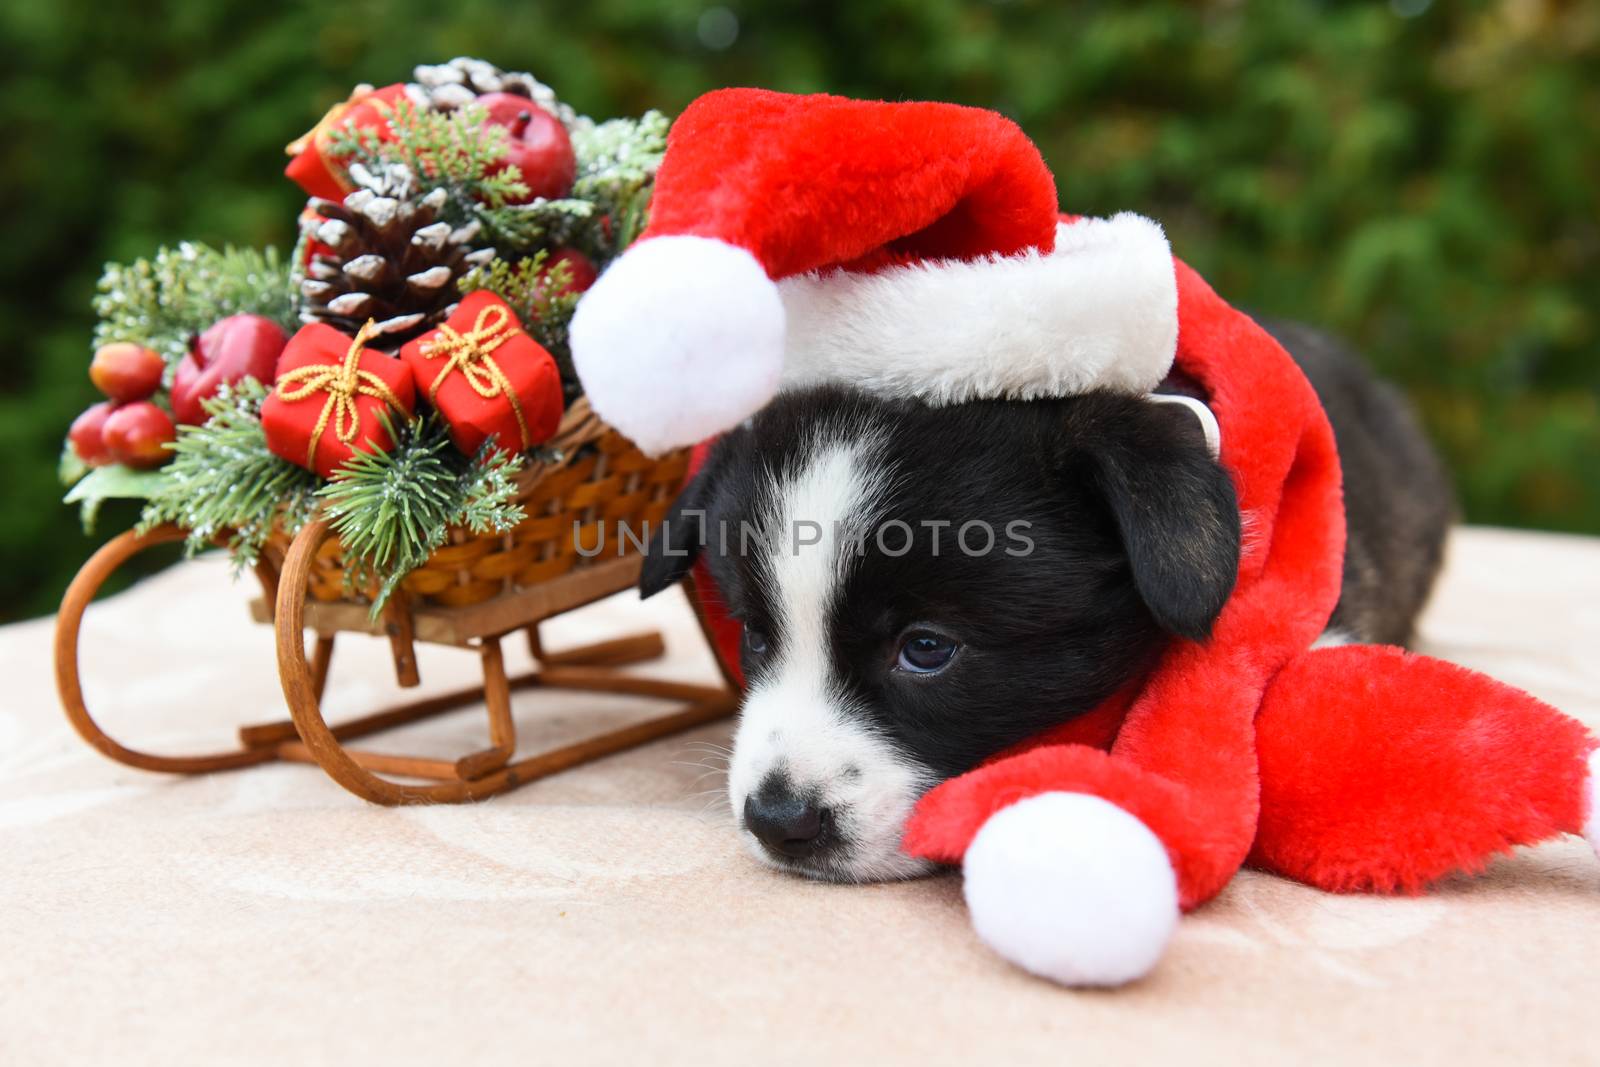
(564, 221)
(164, 301)
(454, 150)
(617, 163)
(224, 480)
(392, 509)
(462, 153)
(537, 295)
(458, 151)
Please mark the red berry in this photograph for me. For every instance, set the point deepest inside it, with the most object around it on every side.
(539, 148)
(239, 346)
(137, 434)
(580, 270)
(126, 371)
(88, 434)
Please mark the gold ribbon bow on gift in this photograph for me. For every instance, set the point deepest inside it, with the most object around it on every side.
(471, 353)
(343, 383)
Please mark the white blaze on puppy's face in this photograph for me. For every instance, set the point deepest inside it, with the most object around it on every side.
(797, 721)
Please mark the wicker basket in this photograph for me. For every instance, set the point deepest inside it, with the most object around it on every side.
(596, 486)
(595, 489)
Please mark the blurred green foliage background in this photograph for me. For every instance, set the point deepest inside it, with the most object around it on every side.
(1420, 176)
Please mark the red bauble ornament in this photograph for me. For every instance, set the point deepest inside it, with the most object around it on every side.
(331, 391)
(126, 372)
(581, 271)
(487, 378)
(237, 347)
(313, 167)
(137, 434)
(88, 435)
(540, 147)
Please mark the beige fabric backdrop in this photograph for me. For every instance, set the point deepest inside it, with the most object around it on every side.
(608, 916)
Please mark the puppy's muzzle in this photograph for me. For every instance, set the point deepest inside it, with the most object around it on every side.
(789, 825)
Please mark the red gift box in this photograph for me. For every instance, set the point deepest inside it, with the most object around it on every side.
(486, 377)
(330, 394)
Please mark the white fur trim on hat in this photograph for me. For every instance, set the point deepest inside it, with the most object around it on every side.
(1100, 311)
(679, 340)
(1072, 888)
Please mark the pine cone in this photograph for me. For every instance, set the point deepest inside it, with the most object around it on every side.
(394, 261)
(448, 86)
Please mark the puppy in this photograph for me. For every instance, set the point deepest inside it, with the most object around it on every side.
(921, 587)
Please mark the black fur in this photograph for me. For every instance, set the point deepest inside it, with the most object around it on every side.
(1397, 497)
(1134, 535)
(1134, 531)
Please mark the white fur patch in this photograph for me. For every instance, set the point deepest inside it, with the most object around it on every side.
(795, 718)
(1072, 888)
(1100, 311)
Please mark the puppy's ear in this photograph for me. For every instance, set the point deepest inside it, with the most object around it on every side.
(1177, 513)
(679, 538)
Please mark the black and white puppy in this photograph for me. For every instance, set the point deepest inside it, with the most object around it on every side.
(923, 587)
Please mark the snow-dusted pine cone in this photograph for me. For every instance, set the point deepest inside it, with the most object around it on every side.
(392, 260)
(447, 86)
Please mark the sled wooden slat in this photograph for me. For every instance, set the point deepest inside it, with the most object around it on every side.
(461, 626)
(475, 591)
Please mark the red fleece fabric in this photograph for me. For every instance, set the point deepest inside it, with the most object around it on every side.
(1361, 767)
(1354, 768)
(912, 181)
(727, 635)
(1382, 770)
(1184, 758)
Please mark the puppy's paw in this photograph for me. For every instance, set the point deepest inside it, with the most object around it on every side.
(1071, 888)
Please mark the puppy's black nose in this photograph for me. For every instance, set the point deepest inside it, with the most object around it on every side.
(786, 824)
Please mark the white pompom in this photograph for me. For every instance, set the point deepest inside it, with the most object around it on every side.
(1072, 888)
(680, 339)
(1591, 828)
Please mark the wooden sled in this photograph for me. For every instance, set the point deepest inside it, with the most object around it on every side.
(473, 594)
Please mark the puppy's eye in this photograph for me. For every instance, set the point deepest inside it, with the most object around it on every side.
(755, 641)
(925, 652)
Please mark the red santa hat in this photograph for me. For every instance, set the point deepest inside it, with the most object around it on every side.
(912, 248)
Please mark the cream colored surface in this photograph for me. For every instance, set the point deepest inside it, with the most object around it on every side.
(608, 915)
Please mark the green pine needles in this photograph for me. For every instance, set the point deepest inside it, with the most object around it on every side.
(456, 151)
(461, 152)
(392, 509)
(164, 301)
(224, 483)
(617, 162)
(535, 294)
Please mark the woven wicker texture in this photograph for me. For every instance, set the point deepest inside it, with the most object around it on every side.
(596, 490)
